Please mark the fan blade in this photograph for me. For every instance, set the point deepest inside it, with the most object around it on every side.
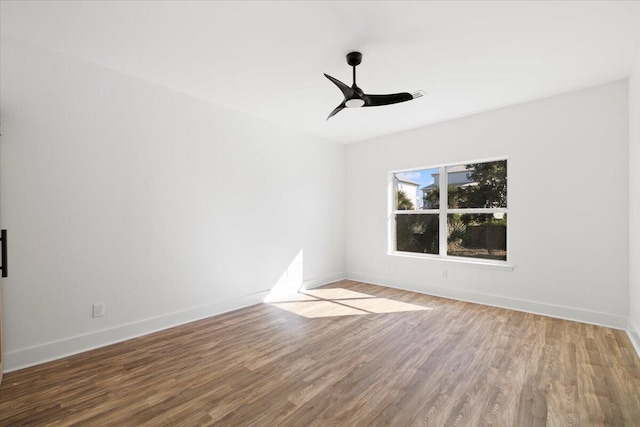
(394, 98)
(336, 110)
(346, 90)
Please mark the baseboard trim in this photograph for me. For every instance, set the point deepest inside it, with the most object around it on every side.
(633, 331)
(36, 355)
(24, 358)
(560, 312)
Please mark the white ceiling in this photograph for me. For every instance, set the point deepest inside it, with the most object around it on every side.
(266, 58)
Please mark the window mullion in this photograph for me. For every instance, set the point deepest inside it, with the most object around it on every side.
(414, 212)
(477, 210)
(442, 230)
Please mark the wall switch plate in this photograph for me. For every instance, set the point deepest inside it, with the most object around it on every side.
(98, 310)
(445, 273)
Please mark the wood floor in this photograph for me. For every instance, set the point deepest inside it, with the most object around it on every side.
(347, 354)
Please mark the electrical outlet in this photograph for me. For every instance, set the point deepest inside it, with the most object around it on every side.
(98, 310)
(445, 273)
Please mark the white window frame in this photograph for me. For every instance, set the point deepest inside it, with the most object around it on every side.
(442, 213)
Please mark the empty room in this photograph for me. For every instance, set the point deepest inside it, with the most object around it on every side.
(322, 213)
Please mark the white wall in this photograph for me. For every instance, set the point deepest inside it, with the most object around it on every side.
(568, 205)
(634, 204)
(119, 191)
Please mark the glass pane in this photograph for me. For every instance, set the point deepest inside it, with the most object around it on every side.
(477, 185)
(417, 233)
(413, 187)
(477, 236)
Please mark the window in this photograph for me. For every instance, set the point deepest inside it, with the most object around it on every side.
(452, 211)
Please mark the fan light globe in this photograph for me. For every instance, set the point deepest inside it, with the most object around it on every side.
(354, 103)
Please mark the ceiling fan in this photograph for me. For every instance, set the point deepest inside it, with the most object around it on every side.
(354, 97)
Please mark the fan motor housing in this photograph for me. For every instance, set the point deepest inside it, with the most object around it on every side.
(354, 58)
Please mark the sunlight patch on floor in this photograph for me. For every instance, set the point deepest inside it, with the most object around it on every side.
(335, 293)
(384, 305)
(288, 297)
(332, 302)
(318, 308)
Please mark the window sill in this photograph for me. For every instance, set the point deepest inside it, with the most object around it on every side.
(497, 266)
